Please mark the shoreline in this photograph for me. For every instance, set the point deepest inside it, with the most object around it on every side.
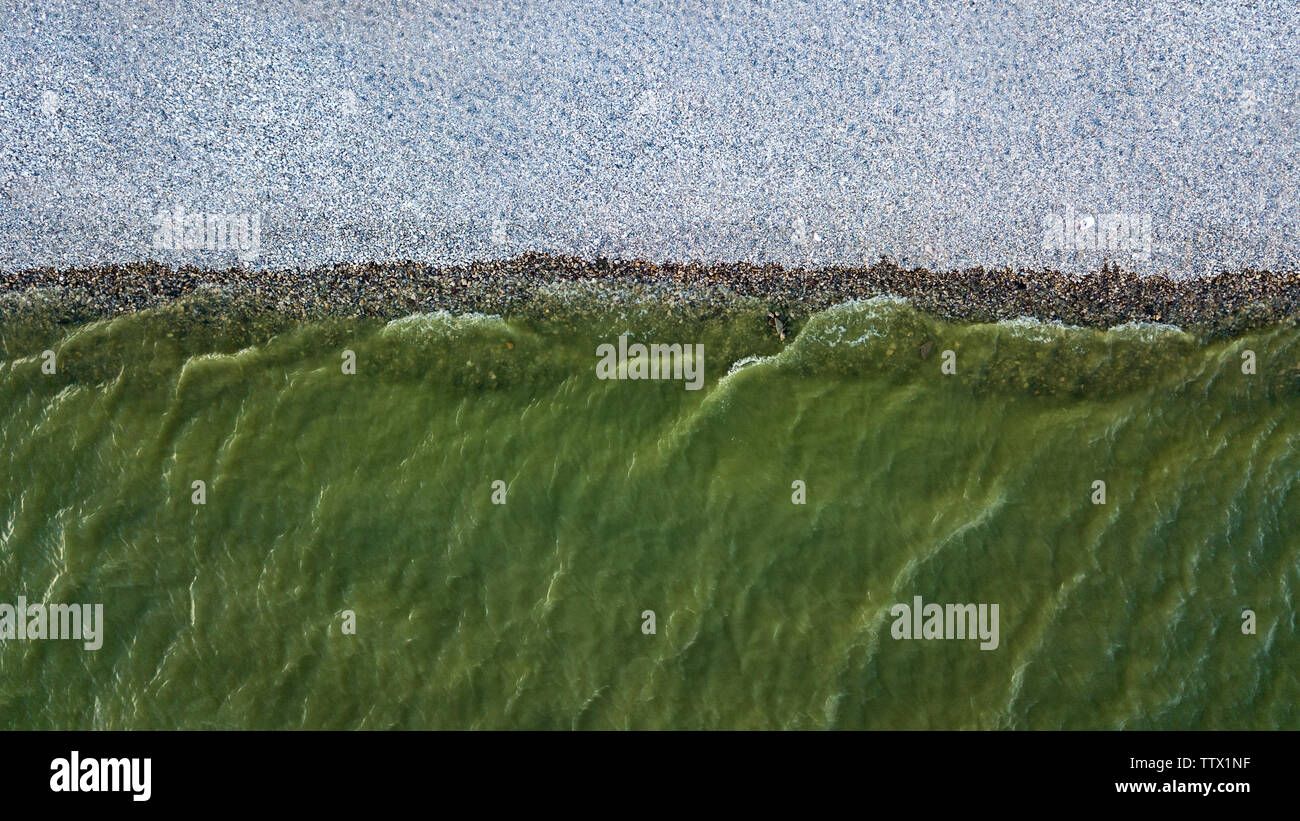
(1227, 304)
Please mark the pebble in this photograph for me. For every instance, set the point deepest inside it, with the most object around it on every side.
(1227, 304)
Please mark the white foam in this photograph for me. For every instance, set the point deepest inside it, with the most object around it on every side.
(741, 364)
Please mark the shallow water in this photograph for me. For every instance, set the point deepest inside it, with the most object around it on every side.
(372, 492)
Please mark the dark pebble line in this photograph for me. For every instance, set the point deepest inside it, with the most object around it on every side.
(1226, 304)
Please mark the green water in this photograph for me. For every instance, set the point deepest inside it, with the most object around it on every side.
(372, 492)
